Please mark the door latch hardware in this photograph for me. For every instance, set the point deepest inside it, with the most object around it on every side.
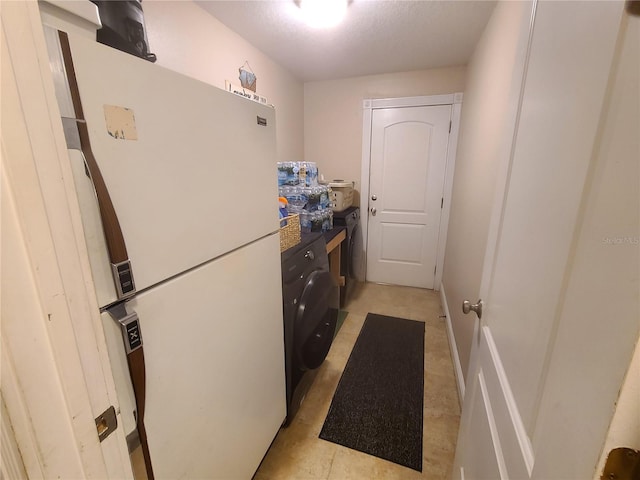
(123, 276)
(622, 464)
(106, 423)
(467, 307)
(130, 325)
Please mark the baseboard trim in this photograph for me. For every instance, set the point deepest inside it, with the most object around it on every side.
(453, 347)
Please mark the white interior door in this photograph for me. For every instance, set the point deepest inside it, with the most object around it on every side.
(406, 183)
(519, 415)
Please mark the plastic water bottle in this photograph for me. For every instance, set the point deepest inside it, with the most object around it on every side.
(282, 173)
(316, 221)
(324, 196)
(305, 221)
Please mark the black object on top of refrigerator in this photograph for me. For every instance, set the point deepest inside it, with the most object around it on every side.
(123, 27)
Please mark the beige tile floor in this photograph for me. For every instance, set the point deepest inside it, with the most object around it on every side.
(297, 452)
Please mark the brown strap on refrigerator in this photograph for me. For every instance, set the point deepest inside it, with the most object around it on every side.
(132, 336)
(135, 360)
(111, 225)
(119, 258)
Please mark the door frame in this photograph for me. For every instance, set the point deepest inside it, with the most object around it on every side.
(368, 106)
(71, 372)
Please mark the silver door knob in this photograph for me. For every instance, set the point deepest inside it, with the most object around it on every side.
(374, 197)
(467, 307)
(374, 211)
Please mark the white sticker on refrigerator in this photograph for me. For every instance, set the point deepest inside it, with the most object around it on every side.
(121, 122)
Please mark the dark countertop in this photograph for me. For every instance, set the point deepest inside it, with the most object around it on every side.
(344, 213)
(307, 238)
(328, 236)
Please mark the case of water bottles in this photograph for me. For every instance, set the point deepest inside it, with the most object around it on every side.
(298, 183)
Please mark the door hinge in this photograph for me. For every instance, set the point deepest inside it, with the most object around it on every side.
(441, 202)
(106, 423)
(434, 269)
(450, 126)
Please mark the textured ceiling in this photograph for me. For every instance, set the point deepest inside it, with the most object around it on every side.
(376, 36)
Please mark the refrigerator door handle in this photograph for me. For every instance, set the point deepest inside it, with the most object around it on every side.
(120, 264)
(132, 336)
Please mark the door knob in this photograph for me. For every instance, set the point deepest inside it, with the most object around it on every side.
(374, 211)
(467, 307)
(374, 197)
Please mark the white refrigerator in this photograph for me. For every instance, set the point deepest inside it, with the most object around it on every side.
(184, 251)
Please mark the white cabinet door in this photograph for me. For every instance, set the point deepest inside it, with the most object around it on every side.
(407, 173)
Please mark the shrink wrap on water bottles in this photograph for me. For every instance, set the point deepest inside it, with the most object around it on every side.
(308, 199)
(294, 174)
(311, 178)
(298, 184)
(317, 221)
(288, 174)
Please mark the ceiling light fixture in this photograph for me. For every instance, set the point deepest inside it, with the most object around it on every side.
(323, 13)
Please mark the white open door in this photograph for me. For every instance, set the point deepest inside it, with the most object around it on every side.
(540, 391)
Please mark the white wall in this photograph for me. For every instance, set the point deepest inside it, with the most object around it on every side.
(333, 113)
(187, 39)
(487, 124)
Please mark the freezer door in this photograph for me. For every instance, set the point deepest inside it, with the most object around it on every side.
(190, 168)
(93, 231)
(214, 354)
